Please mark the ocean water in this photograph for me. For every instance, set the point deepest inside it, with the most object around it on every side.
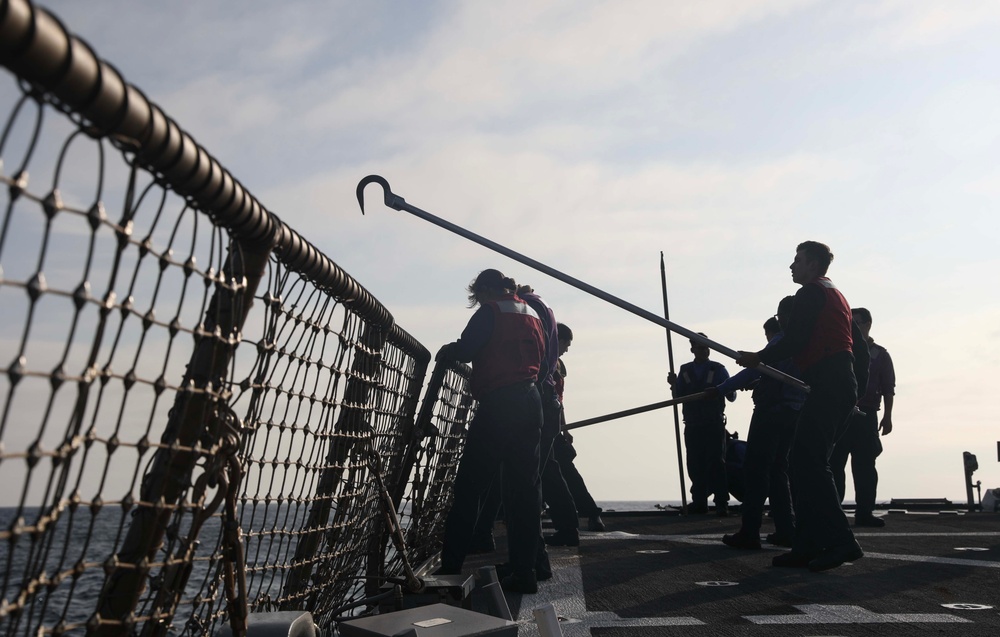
(80, 542)
(68, 561)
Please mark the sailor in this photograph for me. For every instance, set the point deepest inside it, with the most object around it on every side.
(861, 440)
(505, 342)
(555, 492)
(772, 426)
(704, 429)
(573, 488)
(561, 509)
(818, 337)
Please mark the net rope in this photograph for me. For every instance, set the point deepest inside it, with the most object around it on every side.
(199, 419)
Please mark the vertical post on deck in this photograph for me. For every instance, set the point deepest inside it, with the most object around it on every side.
(670, 360)
(547, 620)
(486, 579)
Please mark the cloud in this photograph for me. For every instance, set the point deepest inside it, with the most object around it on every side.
(480, 65)
(903, 25)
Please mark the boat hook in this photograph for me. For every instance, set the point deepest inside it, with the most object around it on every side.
(398, 203)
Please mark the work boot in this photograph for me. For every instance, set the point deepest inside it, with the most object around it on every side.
(722, 509)
(743, 541)
(563, 538)
(792, 559)
(697, 509)
(862, 519)
(836, 555)
(779, 540)
(542, 571)
(523, 583)
(595, 523)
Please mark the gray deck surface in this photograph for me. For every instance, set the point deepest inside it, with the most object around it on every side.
(664, 574)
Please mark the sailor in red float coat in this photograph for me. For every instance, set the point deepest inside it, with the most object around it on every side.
(504, 340)
(819, 339)
(821, 327)
(514, 349)
(832, 331)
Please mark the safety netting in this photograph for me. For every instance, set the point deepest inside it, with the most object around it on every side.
(202, 415)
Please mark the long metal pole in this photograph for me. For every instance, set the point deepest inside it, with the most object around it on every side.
(638, 410)
(398, 203)
(670, 360)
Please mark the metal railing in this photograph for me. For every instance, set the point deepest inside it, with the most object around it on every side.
(202, 414)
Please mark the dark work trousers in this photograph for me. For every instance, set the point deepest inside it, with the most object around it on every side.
(564, 454)
(490, 504)
(765, 470)
(820, 523)
(556, 493)
(504, 432)
(862, 443)
(490, 510)
(705, 443)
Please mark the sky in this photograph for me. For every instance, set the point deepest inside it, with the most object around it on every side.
(592, 136)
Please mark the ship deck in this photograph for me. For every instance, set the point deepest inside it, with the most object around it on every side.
(664, 574)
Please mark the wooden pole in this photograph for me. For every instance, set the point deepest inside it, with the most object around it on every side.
(670, 361)
(637, 410)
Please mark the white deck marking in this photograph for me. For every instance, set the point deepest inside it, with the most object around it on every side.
(716, 583)
(565, 592)
(844, 614)
(713, 539)
(932, 559)
(622, 535)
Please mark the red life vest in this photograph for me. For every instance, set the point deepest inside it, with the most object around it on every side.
(832, 332)
(515, 349)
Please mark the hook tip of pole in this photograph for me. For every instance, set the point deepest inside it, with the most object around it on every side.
(360, 191)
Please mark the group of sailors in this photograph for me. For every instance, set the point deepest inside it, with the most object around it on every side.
(798, 441)
(516, 452)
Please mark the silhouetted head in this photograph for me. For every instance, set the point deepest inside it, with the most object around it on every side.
(489, 285)
(700, 351)
(565, 337)
(785, 311)
(771, 328)
(863, 318)
(812, 259)
(861, 315)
